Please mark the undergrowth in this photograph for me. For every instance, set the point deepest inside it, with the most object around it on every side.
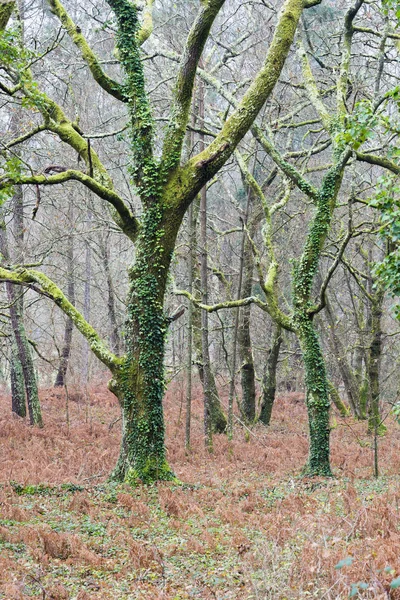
(244, 526)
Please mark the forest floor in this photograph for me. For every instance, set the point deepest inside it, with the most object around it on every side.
(244, 525)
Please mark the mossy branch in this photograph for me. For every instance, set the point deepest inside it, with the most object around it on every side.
(182, 94)
(122, 216)
(24, 137)
(380, 161)
(68, 132)
(49, 289)
(107, 83)
(313, 92)
(343, 79)
(6, 10)
(146, 28)
(221, 305)
(208, 162)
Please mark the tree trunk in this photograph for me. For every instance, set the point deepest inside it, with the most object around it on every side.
(69, 326)
(87, 300)
(317, 398)
(215, 413)
(337, 401)
(373, 363)
(269, 378)
(22, 368)
(204, 322)
(348, 376)
(18, 400)
(139, 382)
(247, 371)
(218, 418)
(114, 331)
(192, 245)
(25, 356)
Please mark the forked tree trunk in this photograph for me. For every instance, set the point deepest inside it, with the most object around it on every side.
(23, 378)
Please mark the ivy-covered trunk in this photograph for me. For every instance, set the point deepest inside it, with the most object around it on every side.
(317, 385)
(139, 382)
(317, 398)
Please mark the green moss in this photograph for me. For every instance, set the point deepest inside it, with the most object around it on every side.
(152, 470)
(6, 9)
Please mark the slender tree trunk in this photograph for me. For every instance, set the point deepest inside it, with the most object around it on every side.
(112, 313)
(192, 245)
(25, 357)
(218, 418)
(69, 326)
(214, 418)
(18, 398)
(337, 401)
(348, 376)
(204, 323)
(21, 346)
(373, 364)
(269, 378)
(87, 302)
(247, 371)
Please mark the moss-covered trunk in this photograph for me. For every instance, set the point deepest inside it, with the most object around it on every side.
(139, 382)
(218, 418)
(25, 357)
(247, 371)
(18, 402)
(317, 398)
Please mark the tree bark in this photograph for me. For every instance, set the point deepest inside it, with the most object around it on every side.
(374, 360)
(69, 326)
(192, 245)
(112, 313)
(348, 376)
(139, 381)
(269, 378)
(247, 371)
(317, 399)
